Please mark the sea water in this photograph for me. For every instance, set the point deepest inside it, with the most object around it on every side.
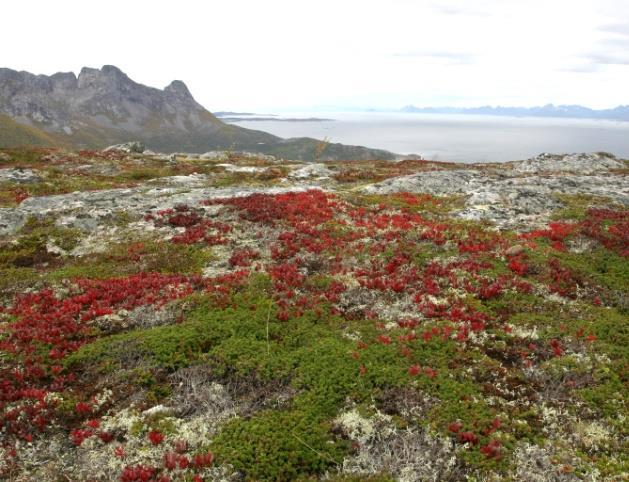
(462, 138)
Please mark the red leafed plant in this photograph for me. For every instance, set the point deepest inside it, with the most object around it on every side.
(468, 437)
(79, 435)
(556, 347)
(156, 437)
(518, 266)
(137, 473)
(243, 257)
(48, 328)
(491, 450)
(203, 460)
(455, 427)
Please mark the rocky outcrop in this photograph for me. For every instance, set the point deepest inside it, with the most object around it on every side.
(582, 163)
(233, 168)
(439, 183)
(214, 156)
(130, 147)
(19, 176)
(519, 193)
(318, 170)
(515, 195)
(87, 210)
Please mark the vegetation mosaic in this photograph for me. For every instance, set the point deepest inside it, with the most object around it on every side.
(322, 333)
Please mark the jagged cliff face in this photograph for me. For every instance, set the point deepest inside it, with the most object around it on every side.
(104, 106)
(105, 102)
(107, 97)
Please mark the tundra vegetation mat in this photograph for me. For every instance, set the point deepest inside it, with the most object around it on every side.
(283, 326)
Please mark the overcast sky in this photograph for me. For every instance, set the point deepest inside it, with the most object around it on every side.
(272, 55)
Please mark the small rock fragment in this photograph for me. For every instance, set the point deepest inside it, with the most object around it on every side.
(515, 250)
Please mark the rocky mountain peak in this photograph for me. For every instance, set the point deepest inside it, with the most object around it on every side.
(64, 80)
(108, 76)
(178, 88)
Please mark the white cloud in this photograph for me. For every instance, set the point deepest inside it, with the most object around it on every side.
(279, 54)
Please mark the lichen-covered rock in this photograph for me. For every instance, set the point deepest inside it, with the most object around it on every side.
(317, 170)
(256, 155)
(11, 220)
(438, 183)
(93, 208)
(581, 163)
(135, 147)
(108, 169)
(234, 168)
(19, 175)
(214, 156)
(510, 198)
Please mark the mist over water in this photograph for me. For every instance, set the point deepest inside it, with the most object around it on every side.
(462, 138)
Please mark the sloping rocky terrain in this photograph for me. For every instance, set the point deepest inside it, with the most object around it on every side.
(232, 316)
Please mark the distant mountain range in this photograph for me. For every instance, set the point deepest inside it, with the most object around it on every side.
(100, 107)
(564, 111)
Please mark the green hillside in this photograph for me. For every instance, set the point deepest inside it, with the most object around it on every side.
(13, 134)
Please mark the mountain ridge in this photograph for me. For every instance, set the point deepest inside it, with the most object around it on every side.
(105, 106)
(620, 112)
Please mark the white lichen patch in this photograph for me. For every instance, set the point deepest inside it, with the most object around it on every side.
(197, 432)
(348, 280)
(552, 417)
(437, 301)
(351, 335)
(527, 333)
(533, 464)
(362, 429)
(53, 248)
(101, 398)
(592, 435)
(408, 455)
(97, 242)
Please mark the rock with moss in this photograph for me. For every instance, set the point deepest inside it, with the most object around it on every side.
(19, 175)
(133, 147)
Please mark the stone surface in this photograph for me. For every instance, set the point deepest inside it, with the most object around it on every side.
(515, 250)
(234, 168)
(522, 192)
(516, 195)
(11, 220)
(135, 147)
(317, 170)
(582, 163)
(19, 176)
(90, 209)
(256, 155)
(108, 169)
(214, 156)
